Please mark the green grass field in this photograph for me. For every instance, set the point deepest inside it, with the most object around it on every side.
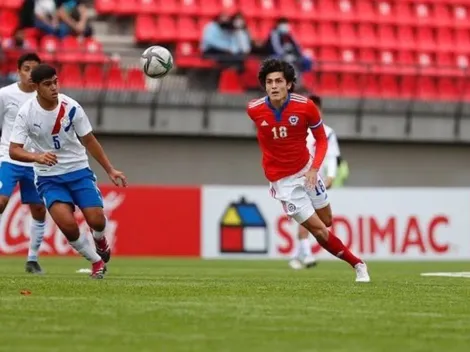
(193, 305)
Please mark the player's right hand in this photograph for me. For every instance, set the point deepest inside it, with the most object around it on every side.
(311, 176)
(49, 159)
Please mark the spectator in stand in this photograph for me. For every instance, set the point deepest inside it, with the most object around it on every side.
(46, 18)
(12, 48)
(241, 33)
(73, 17)
(281, 44)
(219, 42)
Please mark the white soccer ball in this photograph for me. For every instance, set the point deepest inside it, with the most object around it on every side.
(156, 61)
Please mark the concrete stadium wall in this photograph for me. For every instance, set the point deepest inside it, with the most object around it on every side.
(178, 161)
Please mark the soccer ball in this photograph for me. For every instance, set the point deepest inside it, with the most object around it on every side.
(156, 61)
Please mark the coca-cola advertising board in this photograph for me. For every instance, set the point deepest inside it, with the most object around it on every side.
(142, 221)
(383, 224)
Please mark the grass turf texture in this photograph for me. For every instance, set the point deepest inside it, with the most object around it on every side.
(193, 305)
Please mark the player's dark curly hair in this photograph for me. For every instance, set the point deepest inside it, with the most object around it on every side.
(276, 65)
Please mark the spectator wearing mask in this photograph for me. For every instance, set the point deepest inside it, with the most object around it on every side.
(219, 42)
(73, 17)
(282, 44)
(242, 36)
(46, 18)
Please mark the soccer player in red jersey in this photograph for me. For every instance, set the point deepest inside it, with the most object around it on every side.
(282, 119)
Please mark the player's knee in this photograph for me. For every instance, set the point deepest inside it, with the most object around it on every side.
(328, 220)
(38, 212)
(97, 221)
(317, 228)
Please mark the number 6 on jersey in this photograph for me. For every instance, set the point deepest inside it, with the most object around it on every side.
(279, 132)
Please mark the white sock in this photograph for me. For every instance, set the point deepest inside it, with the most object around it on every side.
(35, 240)
(306, 248)
(98, 235)
(83, 247)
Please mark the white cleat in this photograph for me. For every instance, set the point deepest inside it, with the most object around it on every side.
(361, 273)
(309, 262)
(295, 264)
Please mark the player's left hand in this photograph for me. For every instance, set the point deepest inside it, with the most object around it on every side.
(118, 178)
(311, 176)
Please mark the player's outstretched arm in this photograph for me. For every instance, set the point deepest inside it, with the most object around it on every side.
(18, 153)
(96, 150)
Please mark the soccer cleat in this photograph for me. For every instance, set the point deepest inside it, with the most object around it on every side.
(361, 273)
(103, 250)
(97, 270)
(309, 262)
(33, 268)
(295, 264)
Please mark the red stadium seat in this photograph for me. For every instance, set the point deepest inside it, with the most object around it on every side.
(135, 79)
(145, 28)
(168, 7)
(9, 22)
(388, 85)
(48, 47)
(462, 40)
(11, 4)
(365, 11)
(269, 8)
(94, 77)
(126, 7)
(187, 28)
(328, 84)
(70, 50)
(448, 88)
(425, 38)
(148, 7)
(187, 55)
(351, 85)
(347, 34)
(214, 7)
(367, 36)
(166, 29)
(407, 86)
(115, 79)
(93, 51)
(70, 76)
(307, 34)
(427, 89)
(189, 7)
(229, 82)
(327, 33)
(105, 6)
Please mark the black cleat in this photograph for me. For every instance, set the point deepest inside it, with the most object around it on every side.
(33, 268)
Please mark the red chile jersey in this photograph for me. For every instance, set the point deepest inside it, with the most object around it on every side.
(282, 135)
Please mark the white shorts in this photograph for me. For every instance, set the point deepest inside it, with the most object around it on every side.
(298, 201)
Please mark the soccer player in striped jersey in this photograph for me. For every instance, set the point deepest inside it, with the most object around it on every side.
(303, 256)
(282, 120)
(52, 122)
(13, 172)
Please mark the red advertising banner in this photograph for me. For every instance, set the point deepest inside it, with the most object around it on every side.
(142, 221)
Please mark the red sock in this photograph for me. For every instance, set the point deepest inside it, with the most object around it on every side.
(338, 249)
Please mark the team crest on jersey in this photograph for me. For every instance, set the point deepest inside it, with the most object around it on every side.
(293, 120)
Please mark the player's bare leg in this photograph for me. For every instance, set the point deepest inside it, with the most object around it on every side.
(303, 256)
(334, 245)
(62, 214)
(38, 224)
(96, 219)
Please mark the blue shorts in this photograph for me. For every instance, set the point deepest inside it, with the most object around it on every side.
(11, 174)
(76, 188)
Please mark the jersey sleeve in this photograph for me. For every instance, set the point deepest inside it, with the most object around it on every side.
(315, 124)
(20, 131)
(82, 124)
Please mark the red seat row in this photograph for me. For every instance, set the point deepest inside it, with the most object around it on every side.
(437, 13)
(69, 49)
(96, 77)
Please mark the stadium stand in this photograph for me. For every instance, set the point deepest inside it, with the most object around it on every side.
(398, 49)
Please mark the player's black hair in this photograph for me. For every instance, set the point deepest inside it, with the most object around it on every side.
(276, 65)
(42, 72)
(27, 57)
(316, 99)
(282, 20)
